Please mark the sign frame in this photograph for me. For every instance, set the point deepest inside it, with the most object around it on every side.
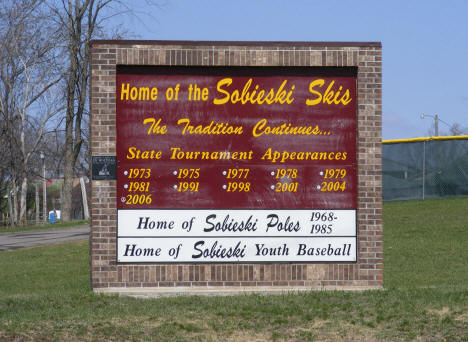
(110, 275)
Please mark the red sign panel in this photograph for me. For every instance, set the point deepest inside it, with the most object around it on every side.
(236, 164)
(236, 137)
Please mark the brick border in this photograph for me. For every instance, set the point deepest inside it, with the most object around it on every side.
(367, 57)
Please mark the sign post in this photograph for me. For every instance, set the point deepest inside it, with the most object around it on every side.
(236, 175)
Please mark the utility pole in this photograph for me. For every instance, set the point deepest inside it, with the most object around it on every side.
(436, 122)
(44, 191)
(37, 203)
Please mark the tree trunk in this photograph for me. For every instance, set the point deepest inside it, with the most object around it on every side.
(23, 194)
(15, 203)
(10, 207)
(85, 199)
(67, 186)
(73, 118)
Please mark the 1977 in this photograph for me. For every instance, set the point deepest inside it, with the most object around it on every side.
(237, 173)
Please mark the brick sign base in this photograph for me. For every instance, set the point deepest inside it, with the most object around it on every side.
(108, 274)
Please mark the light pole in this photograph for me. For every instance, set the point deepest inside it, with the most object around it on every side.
(37, 203)
(436, 122)
(44, 191)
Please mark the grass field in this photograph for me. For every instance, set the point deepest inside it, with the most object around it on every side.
(45, 295)
(8, 229)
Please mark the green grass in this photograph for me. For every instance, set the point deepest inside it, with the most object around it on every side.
(425, 243)
(45, 295)
(44, 226)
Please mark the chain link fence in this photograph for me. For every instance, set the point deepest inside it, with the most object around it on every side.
(425, 168)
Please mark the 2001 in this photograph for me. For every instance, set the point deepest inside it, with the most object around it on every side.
(286, 187)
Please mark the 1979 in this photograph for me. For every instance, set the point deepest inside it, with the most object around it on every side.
(334, 173)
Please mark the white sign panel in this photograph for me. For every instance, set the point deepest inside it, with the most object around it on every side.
(236, 235)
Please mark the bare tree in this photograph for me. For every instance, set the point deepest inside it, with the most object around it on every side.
(81, 21)
(4, 172)
(27, 80)
(458, 129)
(34, 34)
(79, 18)
(453, 129)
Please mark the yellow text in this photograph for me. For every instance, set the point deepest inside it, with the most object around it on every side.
(138, 93)
(330, 96)
(155, 127)
(134, 153)
(283, 156)
(212, 128)
(253, 96)
(262, 127)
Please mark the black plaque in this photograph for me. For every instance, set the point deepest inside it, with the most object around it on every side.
(104, 167)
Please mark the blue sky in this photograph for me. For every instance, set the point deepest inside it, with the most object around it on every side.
(425, 44)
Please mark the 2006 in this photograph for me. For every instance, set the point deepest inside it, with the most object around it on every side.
(138, 199)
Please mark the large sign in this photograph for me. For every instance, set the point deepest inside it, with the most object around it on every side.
(236, 164)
